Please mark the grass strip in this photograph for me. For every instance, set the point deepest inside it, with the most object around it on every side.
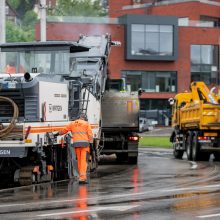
(155, 141)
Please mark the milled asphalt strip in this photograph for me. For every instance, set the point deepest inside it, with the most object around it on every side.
(107, 197)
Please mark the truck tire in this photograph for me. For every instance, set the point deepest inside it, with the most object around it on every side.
(204, 156)
(217, 156)
(132, 160)
(195, 147)
(189, 146)
(178, 154)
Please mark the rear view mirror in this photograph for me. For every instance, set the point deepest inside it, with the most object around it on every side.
(171, 101)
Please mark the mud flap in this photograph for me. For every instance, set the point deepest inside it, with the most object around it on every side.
(72, 163)
(71, 159)
(88, 166)
(93, 159)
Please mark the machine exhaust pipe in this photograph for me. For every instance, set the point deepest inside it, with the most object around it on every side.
(27, 77)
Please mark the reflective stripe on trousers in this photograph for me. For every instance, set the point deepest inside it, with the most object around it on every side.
(82, 155)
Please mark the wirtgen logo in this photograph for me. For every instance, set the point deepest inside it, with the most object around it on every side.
(55, 108)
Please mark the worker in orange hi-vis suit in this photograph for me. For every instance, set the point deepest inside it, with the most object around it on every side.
(11, 68)
(82, 141)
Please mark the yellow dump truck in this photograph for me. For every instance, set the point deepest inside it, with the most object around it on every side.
(196, 123)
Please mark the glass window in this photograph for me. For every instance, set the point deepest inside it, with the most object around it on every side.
(195, 54)
(148, 82)
(204, 63)
(133, 82)
(48, 62)
(151, 81)
(84, 66)
(206, 54)
(152, 40)
(207, 77)
(137, 39)
(166, 40)
(210, 21)
(153, 104)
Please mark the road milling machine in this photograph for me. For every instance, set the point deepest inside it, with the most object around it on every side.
(53, 83)
(196, 123)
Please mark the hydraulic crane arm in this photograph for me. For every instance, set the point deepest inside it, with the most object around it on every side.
(201, 92)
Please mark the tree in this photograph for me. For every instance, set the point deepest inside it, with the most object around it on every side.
(15, 33)
(30, 18)
(26, 31)
(85, 8)
(22, 6)
(14, 3)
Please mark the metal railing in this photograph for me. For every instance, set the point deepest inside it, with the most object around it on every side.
(93, 20)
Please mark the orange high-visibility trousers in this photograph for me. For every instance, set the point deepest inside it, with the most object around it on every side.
(82, 155)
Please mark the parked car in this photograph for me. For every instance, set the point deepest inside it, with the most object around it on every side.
(146, 124)
(143, 125)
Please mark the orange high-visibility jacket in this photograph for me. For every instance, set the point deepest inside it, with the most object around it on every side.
(81, 133)
(12, 69)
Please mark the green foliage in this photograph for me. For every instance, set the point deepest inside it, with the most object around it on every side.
(14, 3)
(22, 6)
(152, 141)
(26, 31)
(15, 33)
(86, 8)
(30, 18)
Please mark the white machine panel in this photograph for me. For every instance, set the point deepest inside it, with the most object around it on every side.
(53, 99)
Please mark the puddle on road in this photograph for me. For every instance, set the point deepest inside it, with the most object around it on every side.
(196, 200)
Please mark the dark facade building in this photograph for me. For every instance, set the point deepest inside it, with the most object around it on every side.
(11, 14)
(165, 46)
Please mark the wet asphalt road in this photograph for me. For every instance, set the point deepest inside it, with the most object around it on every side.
(159, 187)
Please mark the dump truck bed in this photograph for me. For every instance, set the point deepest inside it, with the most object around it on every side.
(201, 116)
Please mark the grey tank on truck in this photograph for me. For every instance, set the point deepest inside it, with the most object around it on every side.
(120, 124)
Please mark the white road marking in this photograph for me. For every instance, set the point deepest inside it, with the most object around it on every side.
(208, 216)
(113, 208)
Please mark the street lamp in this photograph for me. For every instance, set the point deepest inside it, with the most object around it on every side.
(43, 16)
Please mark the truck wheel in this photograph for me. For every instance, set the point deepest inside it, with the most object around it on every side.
(132, 160)
(195, 148)
(178, 154)
(204, 156)
(217, 156)
(189, 147)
